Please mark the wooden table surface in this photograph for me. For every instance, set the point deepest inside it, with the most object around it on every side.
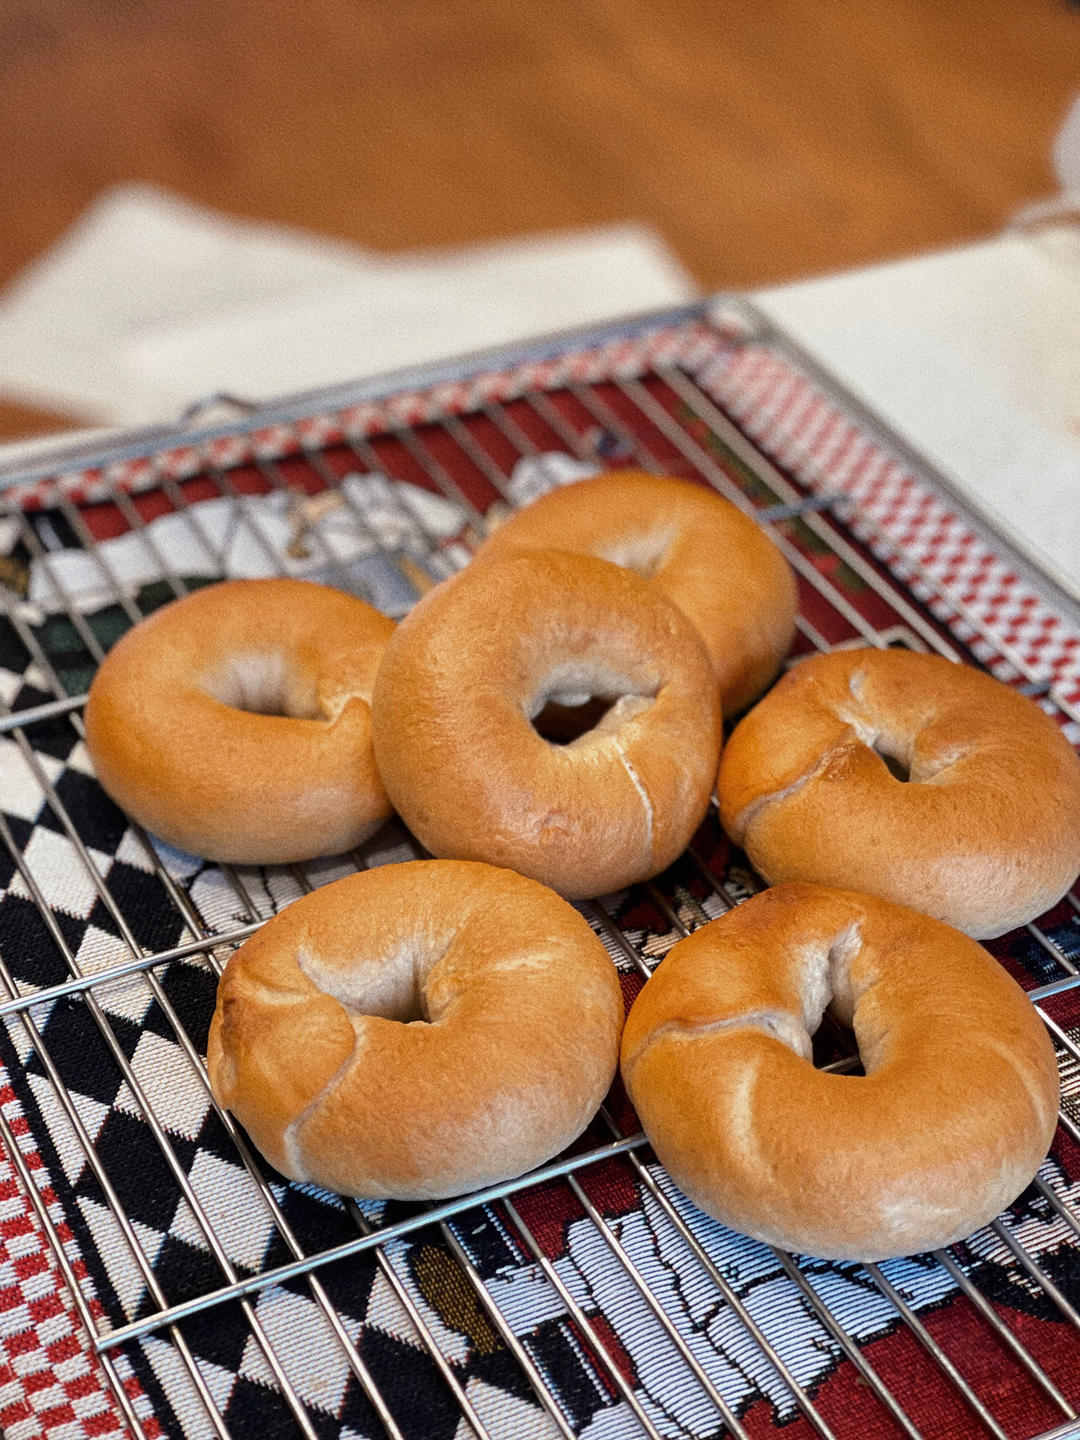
(765, 142)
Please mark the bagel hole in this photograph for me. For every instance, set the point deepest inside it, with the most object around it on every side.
(404, 1004)
(578, 699)
(834, 1045)
(561, 723)
(390, 987)
(643, 554)
(265, 683)
(830, 1002)
(896, 766)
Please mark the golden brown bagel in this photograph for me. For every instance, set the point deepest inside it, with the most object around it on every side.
(704, 554)
(417, 1030)
(951, 1120)
(481, 654)
(984, 835)
(234, 723)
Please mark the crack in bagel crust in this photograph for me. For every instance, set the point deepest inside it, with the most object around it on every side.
(290, 1141)
(749, 814)
(951, 1119)
(777, 1024)
(639, 786)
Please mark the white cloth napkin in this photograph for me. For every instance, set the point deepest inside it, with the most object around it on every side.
(150, 302)
(973, 356)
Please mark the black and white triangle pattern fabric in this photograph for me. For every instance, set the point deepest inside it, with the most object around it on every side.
(163, 1208)
(164, 1211)
(186, 1194)
(157, 1196)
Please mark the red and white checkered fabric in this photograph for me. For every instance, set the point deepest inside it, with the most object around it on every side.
(51, 1386)
(689, 345)
(925, 542)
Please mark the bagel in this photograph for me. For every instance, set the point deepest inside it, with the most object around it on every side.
(952, 1119)
(985, 832)
(702, 552)
(417, 1030)
(474, 663)
(234, 722)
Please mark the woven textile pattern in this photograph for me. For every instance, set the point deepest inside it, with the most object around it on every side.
(138, 1174)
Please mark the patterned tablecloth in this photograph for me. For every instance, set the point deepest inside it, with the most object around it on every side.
(141, 1198)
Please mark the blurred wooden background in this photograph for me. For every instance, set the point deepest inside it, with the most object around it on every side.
(764, 141)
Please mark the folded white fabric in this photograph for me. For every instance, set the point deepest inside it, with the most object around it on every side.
(973, 356)
(150, 302)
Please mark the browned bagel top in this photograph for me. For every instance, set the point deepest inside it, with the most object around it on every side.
(711, 560)
(953, 1116)
(234, 722)
(474, 664)
(417, 1030)
(985, 830)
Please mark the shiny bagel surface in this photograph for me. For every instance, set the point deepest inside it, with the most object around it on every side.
(985, 832)
(718, 566)
(474, 663)
(954, 1115)
(417, 1030)
(234, 723)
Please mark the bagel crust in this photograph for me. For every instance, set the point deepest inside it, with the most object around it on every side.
(985, 834)
(235, 722)
(481, 655)
(417, 1030)
(952, 1119)
(712, 561)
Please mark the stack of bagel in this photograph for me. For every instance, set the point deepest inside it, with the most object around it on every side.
(548, 723)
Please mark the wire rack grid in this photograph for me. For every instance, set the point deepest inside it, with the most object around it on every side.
(308, 510)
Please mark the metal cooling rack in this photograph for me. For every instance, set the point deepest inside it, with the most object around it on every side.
(655, 421)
